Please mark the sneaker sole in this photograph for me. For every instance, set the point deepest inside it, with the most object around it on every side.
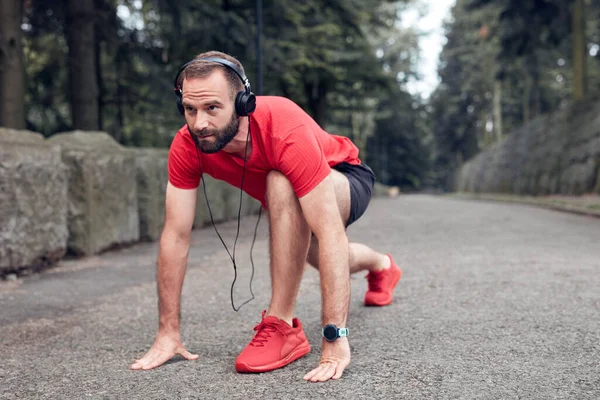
(396, 280)
(301, 350)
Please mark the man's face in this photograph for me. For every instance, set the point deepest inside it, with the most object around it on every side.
(209, 112)
(211, 140)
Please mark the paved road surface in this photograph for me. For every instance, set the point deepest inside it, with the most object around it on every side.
(497, 301)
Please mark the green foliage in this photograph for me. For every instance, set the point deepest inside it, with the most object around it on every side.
(399, 151)
(45, 55)
(516, 50)
(344, 61)
(461, 103)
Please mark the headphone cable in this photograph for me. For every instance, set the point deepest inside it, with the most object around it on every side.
(232, 256)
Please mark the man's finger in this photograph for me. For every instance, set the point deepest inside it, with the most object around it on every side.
(139, 363)
(153, 355)
(339, 371)
(326, 373)
(136, 365)
(187, 355)
(312, 373)
(141, 358)
(157, 361)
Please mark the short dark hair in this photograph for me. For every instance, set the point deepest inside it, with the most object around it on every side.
(204, 69)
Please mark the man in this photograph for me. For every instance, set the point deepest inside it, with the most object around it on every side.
(313, 185)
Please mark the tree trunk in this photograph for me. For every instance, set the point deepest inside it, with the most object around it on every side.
(99, 79)
(579, 50)
(526, 91)
(118, 129)
(316, 93)
(527, 99)
(359, 135)
(498, 109)
(536, 95)
(12, 91)
(82, 64)
(226, 7)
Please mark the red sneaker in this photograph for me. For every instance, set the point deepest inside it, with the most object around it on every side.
(382, 284)
(275, 345)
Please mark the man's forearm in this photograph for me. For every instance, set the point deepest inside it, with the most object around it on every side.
(334, 270)
(172, 261)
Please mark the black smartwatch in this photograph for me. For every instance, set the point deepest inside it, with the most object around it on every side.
(332, 332)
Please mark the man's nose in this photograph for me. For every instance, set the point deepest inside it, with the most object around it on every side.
(200, 123)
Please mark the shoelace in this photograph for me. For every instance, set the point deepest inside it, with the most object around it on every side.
(375, 281)
(263, 333)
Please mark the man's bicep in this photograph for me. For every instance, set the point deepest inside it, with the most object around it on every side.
(180, 209)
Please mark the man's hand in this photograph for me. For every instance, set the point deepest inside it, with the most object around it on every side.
(335, 357)
(163, 349)
(172, 261)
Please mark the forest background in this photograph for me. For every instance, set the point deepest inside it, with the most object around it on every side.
(109, 65)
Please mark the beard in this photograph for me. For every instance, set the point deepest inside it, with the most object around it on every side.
(219, 138)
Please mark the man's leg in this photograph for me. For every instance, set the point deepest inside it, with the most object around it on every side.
(362, 257)
(383, 274)
(289, 237)
(280, 338)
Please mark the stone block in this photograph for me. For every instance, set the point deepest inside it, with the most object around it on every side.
(152, 178)
(224, 200)
(102, 196)
(33, 201)
(213, 194)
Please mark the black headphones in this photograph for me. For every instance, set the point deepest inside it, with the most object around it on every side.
(245, 101)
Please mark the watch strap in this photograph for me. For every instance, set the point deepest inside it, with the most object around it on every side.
(339, 332)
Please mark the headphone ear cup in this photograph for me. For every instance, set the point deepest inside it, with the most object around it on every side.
(179, 104)
(245, 103)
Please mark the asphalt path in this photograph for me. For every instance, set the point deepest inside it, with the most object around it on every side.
(497, 301)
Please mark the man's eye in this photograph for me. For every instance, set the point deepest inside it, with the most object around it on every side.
(190, 109)
(212, 108)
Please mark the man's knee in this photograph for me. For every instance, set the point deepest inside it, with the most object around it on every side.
(342, 194)
(312, 258)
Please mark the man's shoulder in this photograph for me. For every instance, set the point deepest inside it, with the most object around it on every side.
(276, 101)
(272, 106)
(182, 147)
(280, 113)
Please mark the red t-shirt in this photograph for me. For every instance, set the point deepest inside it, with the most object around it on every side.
(284, 138)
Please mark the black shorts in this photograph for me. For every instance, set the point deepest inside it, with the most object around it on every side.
(362, 180)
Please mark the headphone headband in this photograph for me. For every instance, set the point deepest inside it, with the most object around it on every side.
(221, 61)
(245, 101)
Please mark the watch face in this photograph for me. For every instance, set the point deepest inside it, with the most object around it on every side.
(330, 332)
